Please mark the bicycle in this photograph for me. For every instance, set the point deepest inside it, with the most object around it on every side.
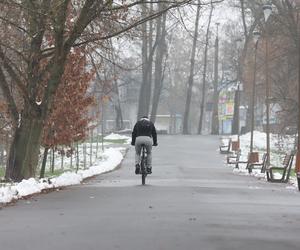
(143, 165)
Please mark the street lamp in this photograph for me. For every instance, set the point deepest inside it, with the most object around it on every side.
(256, 36)
(267, 9)
(253, 156)
(236, 121)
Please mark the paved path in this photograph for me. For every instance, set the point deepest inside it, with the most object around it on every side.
(192, 202)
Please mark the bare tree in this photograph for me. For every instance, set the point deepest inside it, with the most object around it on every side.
(160, 54)
(49, 30)
(191, 75)
(204, 71)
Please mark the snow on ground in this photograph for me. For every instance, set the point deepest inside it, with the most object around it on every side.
(88, 152)
(110, 159)
(113, 136)
(279, 146)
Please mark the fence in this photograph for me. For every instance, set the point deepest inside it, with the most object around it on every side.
(84, 154)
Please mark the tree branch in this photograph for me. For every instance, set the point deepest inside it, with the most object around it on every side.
(13, 75)
(9, 98)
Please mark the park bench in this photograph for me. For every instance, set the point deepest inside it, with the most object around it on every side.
(234, 152)
(233, 158)
(285, 168)
(262, 165)
(252, 158)
(225, 148)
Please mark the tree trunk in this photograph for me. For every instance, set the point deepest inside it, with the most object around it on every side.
(119, 116)
(71, 160)
(191, 77)
(84, 155)
(97, 144)
(91, 147)
(2, 155)
(24, 150)
(53, 161)
(160, 52)
(43, 168)
(204, 72)
(77, 157)
(117, 102)
(62, 158)
(147, 58)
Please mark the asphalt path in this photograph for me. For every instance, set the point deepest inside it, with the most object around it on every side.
(192, 201)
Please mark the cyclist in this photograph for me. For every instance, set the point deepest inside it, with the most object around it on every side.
(143, 133)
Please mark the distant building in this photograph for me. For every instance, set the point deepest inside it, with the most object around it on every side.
(226, 110)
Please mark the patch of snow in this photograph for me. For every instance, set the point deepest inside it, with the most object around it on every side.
(7, 194)
(28, 187)
(254, 187)
(240, 171)
(67, 179)
(257, 173)
(278, 146)
(277, 175)
(112, 157)
(292, 187)
(113, 136)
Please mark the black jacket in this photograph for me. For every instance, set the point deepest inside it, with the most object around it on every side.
(144, 127)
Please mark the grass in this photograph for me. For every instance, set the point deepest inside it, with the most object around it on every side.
(119, 141)
(99, 140)
(2, 171)
(56, 172)
(293, 173)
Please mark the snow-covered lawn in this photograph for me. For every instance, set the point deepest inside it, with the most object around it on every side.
(108, 161)
(113, 136)
(279, 145)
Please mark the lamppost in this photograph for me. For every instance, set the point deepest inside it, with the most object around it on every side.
(215, 118)
(239, 89)
(267, 9)
(256, 36)
(237, 100)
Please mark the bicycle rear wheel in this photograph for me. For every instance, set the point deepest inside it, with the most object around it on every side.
(144, 179)
(144, 165)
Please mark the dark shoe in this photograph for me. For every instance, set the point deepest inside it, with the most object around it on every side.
(137, 168)
(149, 170)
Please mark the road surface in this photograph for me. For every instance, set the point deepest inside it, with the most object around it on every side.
(192, 202)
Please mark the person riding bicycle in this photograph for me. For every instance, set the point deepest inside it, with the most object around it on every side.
(143, 133)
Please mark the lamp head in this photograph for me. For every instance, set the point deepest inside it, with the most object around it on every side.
(267, 9)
